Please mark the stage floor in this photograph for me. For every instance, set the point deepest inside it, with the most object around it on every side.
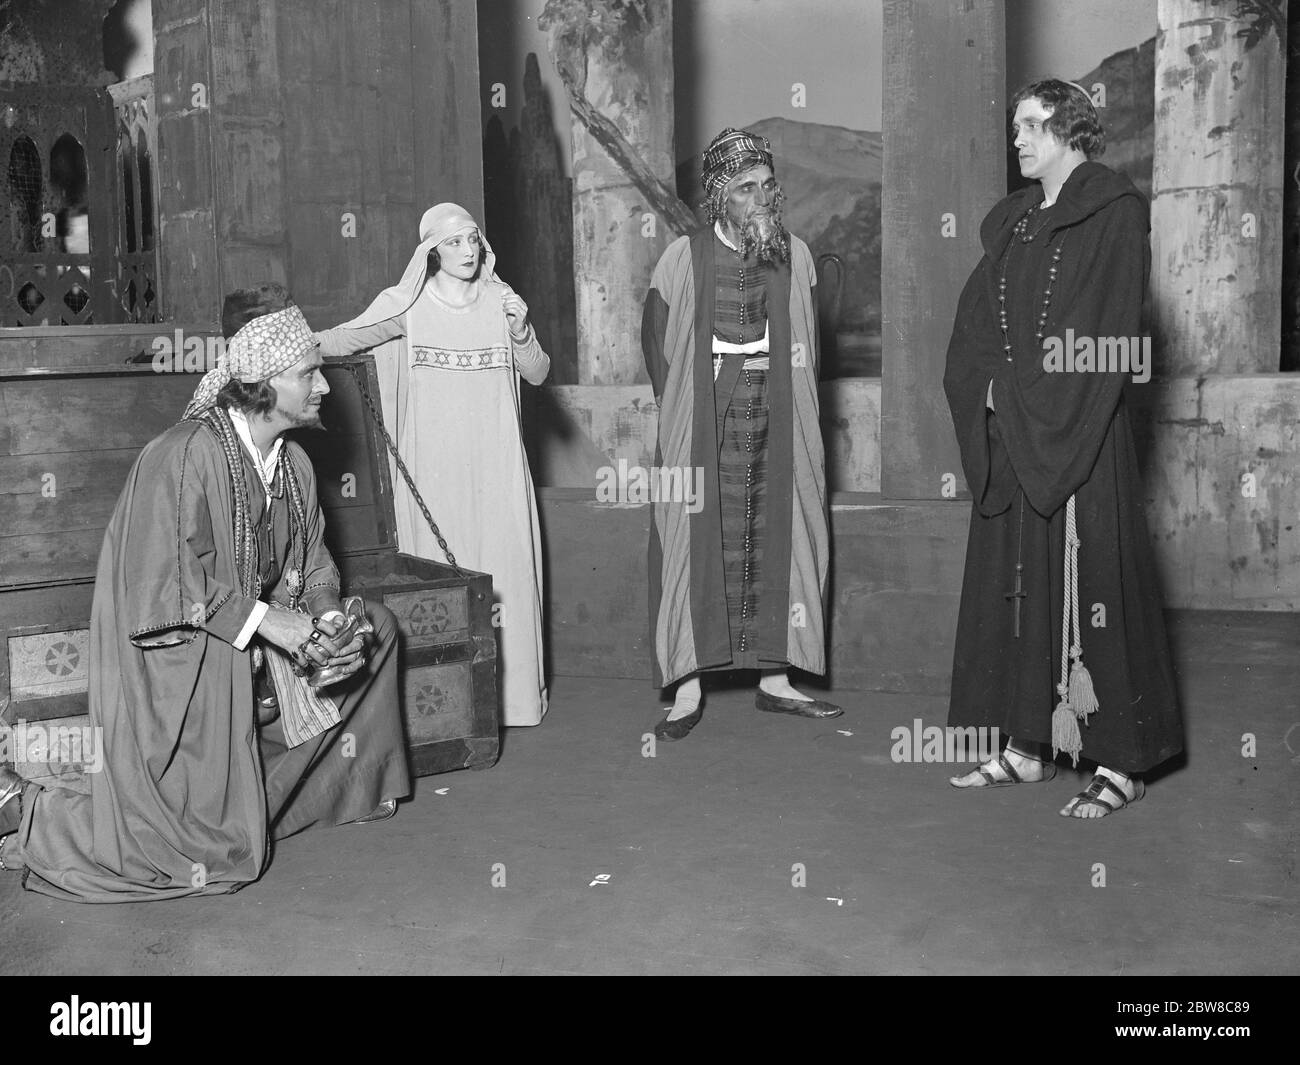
(687, 862)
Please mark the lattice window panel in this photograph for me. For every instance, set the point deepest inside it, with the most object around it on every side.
(83, 269)
(137, 253)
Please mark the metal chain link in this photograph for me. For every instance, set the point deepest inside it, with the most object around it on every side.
(410, 483)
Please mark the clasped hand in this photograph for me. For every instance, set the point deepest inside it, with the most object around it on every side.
(292, 631)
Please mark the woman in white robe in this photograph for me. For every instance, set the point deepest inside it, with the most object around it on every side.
(452, 341)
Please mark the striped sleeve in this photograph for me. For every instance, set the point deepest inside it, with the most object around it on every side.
(654, 327)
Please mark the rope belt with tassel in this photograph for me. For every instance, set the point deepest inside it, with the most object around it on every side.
(1078, 699)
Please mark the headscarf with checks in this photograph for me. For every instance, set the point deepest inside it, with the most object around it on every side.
(732, 152)
(265, 346)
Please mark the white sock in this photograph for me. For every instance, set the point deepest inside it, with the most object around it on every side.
(687, 699)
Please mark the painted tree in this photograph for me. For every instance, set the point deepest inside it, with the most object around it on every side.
(614, 58)
(583, 29)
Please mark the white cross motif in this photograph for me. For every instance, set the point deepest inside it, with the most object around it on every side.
(62, 659)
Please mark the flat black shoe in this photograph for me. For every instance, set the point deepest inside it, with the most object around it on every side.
(677, 730)
(382, 812)
(774, 704)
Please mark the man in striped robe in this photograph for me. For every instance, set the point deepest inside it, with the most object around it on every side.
(737, 575)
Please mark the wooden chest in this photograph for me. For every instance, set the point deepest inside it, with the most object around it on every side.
(76, 412)
(449, 650)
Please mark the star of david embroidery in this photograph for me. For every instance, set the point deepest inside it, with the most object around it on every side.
(426, 617)
(463, 360)
(421, 356)
(61, 659)
(485, 359)
(429, 700)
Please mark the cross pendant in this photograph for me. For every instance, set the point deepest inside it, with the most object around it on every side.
(1015, 596)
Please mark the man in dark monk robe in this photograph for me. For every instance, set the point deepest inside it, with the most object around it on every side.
(737, 578)
(209, 561)
(1059, 567)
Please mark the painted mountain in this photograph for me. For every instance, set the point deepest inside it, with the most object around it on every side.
(1129, 115)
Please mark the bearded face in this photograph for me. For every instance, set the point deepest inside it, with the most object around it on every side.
(763, 233)
(751, 204)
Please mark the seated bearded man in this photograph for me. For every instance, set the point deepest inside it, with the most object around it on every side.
(210, 559)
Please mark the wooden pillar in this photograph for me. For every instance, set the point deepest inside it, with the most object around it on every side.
(187, 227)
(1291, 200)
(1216, 214)
(543, 201)
(944, 166)
(300, 141)
(249, 135)
(617, 237)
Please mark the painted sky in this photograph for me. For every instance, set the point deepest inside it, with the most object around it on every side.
(741, 57)
(736, 60)
(1067, 39)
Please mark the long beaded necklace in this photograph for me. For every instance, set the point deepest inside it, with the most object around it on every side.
(247, 547)
(1021, 233)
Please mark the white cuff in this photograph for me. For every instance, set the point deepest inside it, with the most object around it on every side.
(250, 626)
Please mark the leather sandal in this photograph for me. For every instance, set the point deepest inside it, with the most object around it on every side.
(1010, 776)
(1095, 794)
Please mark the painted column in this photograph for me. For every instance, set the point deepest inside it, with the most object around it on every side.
(1216, 231)
(617, 238)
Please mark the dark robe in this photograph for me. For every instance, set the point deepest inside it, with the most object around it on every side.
(192, 789)
(1052, 435)
(689, 626)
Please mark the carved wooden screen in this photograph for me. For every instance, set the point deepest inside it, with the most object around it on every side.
(57, 213)
(137, 249)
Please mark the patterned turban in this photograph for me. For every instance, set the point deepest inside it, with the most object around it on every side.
(732, 152)
(263, 347)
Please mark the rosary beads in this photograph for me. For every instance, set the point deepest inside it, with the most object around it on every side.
(1022, 231)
